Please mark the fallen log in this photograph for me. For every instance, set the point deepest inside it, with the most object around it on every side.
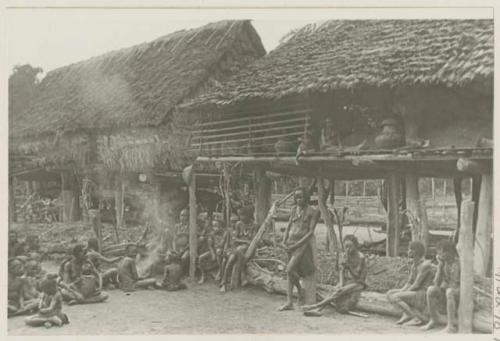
(369, 302)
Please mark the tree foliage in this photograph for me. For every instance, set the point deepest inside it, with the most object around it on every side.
(23, 87)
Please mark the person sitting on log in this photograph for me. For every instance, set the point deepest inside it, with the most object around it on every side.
(297, 243)
(244, 233)
(213, 257)
(15, 287)
(411, 298)
(128, 279)
(172, 276)
(445, 291)
(352, 277)
(50, 306)
(181, 239)
(96, 258)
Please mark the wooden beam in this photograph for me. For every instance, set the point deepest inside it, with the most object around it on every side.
(412, 205)
(484, 227)
(472, 166)
(466, 252)
(393, 218)
(193, 238)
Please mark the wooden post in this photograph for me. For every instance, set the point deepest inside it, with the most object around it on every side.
(156, 203)
(466, 253)
(331, 237)
(484, 229)
(476, 189)
(412, 204)
(457, 188)
(119, 199)
(12, 200)
(70, 197)
(263, 195)
(393, 219)
(424, 222)
(309, 282)
(433, 189)
(95, 216)
(364, 188)
(193, 239)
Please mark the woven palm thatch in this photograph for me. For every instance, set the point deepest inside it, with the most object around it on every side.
(140, 85)
(349, 54)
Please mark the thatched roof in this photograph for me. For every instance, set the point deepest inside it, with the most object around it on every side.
(349, 54)
(140, 85)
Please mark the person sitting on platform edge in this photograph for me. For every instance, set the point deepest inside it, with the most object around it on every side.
(445, 292)
(411, 298)
(352, 281)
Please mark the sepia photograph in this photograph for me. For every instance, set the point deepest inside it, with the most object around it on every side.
(249, 171)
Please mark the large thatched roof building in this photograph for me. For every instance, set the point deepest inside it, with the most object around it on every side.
(130, 89)
(435, 74)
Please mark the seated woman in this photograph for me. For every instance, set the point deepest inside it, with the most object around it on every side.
(242, 237)
(352, 279)
(172, 276)
(86, 288)
(128, 279)
(50, 306)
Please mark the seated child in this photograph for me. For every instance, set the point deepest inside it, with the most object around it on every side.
(128, 279)
(352, 279)
(31, 286)
(108, 276)
(87, 288)
(15, 285)
(173, 274)
(49, 306)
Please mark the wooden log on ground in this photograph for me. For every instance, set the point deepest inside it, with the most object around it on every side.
(484, 228)
(369, 302)
(466, 252)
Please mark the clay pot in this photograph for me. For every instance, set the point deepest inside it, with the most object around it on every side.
(391, 135)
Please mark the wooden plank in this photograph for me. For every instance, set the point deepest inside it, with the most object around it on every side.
(253, 118)
(193, 239)
(246, 132)
(484, 229)
(466, 252)
(247, 139)
(393, 220)
(246, 126)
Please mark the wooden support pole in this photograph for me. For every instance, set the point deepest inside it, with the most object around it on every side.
(393, 218)
(12, 200)
(466, 253)
(433, 188)
(95, 216)
(476, 189)
(332, 241)
(412, 204)
(263, 193)
(70, 197)
(119, 199)
(424, 222)
(193, 239)
(457, 188)
(484, 229)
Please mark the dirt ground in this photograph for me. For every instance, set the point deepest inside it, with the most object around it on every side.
(202, 309)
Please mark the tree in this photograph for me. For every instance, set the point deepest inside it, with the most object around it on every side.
(23, 87)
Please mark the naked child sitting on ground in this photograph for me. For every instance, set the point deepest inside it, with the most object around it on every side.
(297, 242)
(128, 279)
(172, 277)
(352, 281)
(411, 298)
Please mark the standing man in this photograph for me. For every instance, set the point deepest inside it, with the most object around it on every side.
(297, 242)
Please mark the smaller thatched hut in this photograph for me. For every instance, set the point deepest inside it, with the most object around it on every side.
(111, 117)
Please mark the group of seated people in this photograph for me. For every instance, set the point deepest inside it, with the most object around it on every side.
(429, 291)
(221, 249)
